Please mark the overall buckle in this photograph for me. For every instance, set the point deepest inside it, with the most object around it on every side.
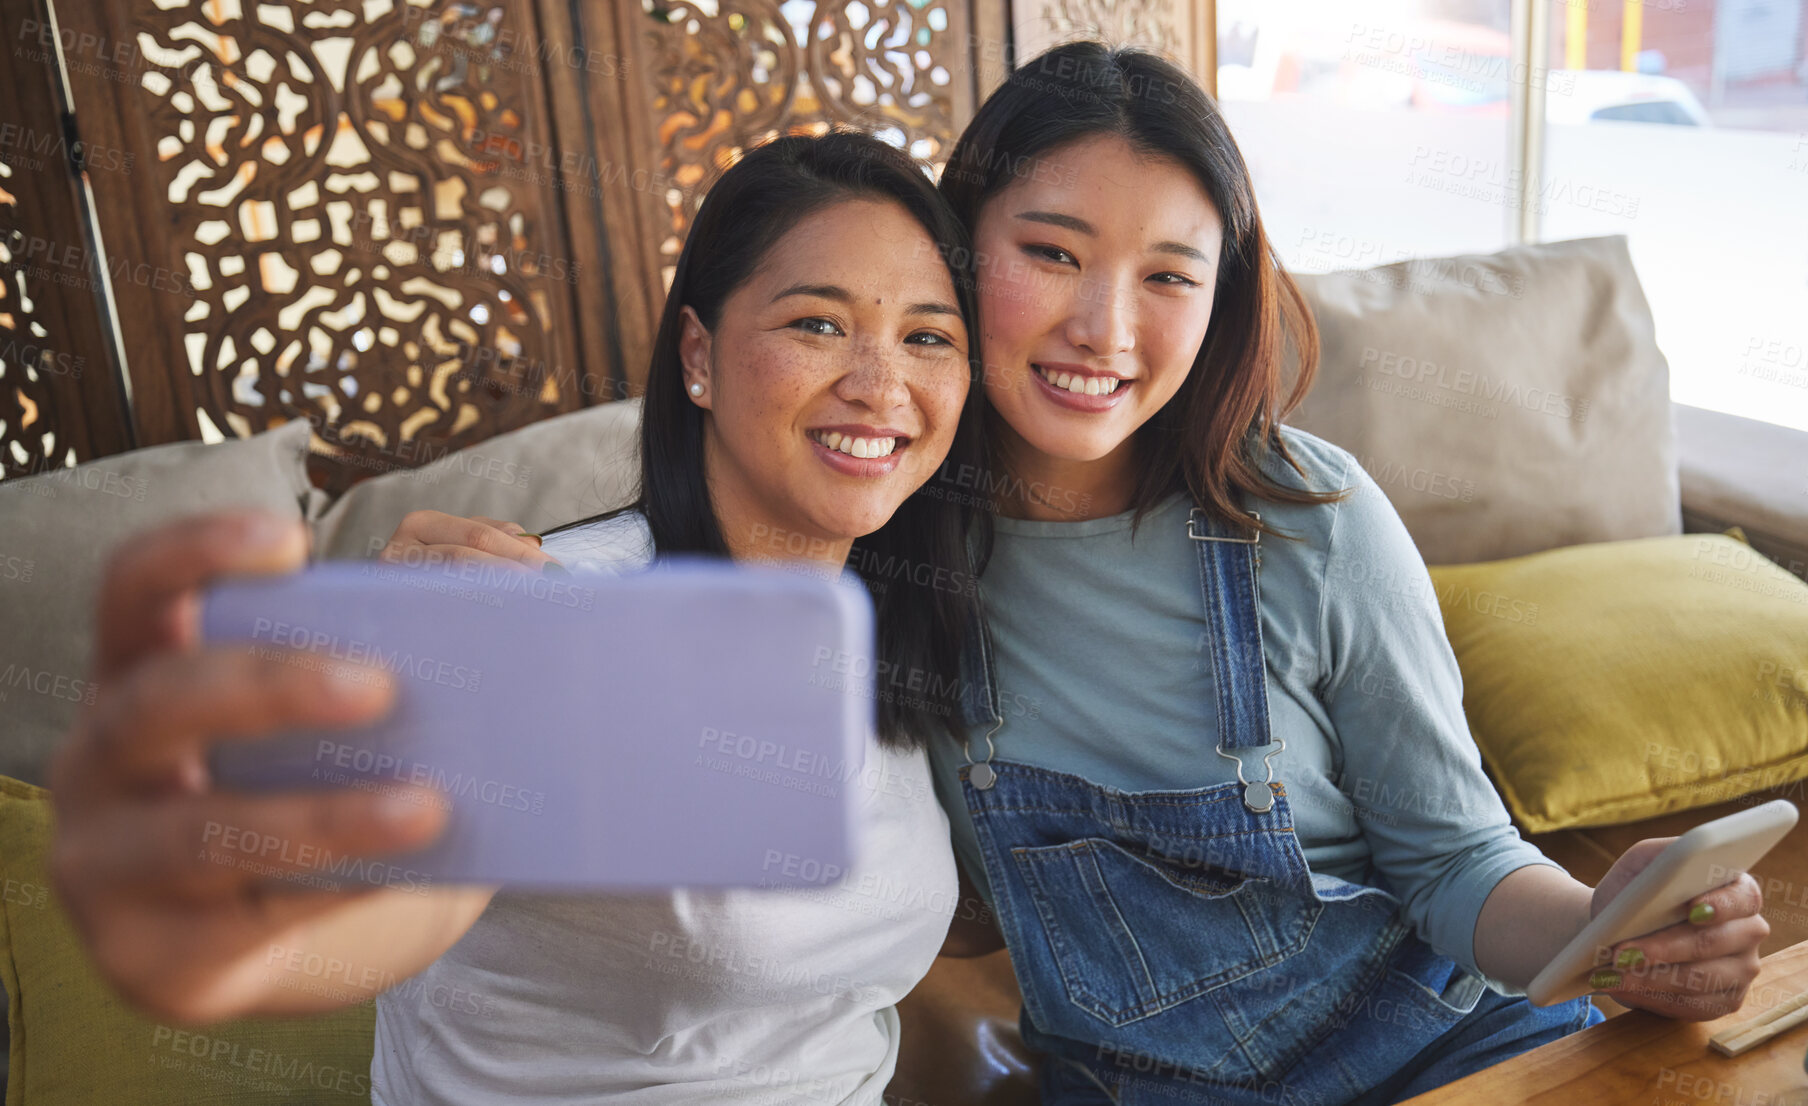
(1258, 797)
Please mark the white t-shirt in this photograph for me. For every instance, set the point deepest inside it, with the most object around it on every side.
(738, 997)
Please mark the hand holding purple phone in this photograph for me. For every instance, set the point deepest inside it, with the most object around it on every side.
(184, 908)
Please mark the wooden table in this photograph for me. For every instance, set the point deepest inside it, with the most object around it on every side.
(1651, 1061)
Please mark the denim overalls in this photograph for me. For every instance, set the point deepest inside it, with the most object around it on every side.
(1171, 946)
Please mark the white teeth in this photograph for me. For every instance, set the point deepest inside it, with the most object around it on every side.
(863, 448)
(1082, 385)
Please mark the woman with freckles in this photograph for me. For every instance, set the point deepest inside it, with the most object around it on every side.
(1216, 785)
(1226, 866)
(810, 374)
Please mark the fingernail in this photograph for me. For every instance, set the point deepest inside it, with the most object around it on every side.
(1604, 981)
(1701, 913)
(353, 682)
(554, 568)
(267, 531)
(1629, 958)
(536, 537)
(395, 808)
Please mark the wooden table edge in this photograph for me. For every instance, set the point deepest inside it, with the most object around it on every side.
(1641, 1058)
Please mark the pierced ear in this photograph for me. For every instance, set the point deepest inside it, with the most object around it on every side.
(694, 345)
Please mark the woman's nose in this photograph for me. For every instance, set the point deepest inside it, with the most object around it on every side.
(1102, 318)
(876, 380)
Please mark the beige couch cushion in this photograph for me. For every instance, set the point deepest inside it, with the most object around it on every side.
(553, 471)
(56, 532)
(1507, 403)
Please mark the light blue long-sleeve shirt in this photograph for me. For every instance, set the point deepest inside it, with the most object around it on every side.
(1104, 672)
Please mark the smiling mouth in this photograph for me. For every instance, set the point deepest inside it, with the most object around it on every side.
(1079, 384)
(863, 448)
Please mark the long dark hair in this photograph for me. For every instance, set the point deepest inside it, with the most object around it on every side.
(1208, 440)
(916, 565)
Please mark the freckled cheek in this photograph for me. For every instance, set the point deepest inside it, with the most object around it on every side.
(941, 404)
(774, 387)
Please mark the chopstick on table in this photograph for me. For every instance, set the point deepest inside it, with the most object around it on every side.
(1780, 1018)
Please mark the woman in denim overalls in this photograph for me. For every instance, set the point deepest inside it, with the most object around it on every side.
(1170, 941)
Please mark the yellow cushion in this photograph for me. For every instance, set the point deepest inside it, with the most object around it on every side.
(1616, 681)
(74, 1043)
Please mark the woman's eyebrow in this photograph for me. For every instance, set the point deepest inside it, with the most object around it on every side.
(1081, 226)
(1056, 219)
(841, 295)
(1181, 249)
(826, 291)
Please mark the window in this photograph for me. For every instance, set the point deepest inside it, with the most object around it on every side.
(1384, 129)
(1373, 130)
(1687, 121)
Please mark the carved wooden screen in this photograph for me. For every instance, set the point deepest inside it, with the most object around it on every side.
(711, 78)
(340, 217)
(416, 223)
(1183, 30)
(60, 401)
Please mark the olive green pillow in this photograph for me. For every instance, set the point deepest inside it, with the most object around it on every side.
(1616, 681)
(75, 1044)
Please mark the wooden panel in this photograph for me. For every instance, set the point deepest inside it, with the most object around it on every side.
(615, 197)
(989, 53)
(713, 79)
(349, 213)
(61, 397)
(1182, 30)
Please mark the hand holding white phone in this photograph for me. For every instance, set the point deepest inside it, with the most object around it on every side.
(1708, 856)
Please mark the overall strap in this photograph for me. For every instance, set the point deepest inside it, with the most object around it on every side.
(1233, 613)
(979, 695)
(978, 672)
(1227, 575)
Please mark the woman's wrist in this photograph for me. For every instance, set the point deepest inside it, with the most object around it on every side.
(1531, 914)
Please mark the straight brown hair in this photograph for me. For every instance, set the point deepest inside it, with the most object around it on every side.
(1211, 438)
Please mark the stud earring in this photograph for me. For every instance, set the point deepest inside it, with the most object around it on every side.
(696, 389)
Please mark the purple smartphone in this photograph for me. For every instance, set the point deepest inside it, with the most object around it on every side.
(698, 724)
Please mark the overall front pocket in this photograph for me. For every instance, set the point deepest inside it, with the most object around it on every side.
(1136, 934)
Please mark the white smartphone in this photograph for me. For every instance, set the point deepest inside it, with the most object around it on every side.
(1710, 855)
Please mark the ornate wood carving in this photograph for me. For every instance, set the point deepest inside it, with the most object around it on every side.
(61, 401)
(356, 203)
(417, 223)
(726, 75)
(1183, 30)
